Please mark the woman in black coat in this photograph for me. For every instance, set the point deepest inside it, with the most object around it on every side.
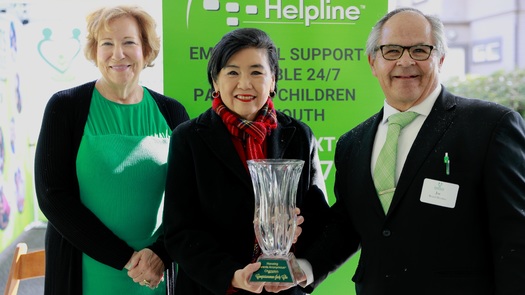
(209, 203)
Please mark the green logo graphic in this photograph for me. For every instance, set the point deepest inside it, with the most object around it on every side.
(59, 54)
(277, 12)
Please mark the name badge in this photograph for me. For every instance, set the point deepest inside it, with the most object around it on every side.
(439, 193)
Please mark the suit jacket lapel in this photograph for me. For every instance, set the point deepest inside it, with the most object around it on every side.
(365, 155)
(360, 159)
(431, 132)
(279, 139)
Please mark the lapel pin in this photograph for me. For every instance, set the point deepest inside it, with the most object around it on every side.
(446, 160)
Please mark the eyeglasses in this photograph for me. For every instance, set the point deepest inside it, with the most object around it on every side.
(416, 52)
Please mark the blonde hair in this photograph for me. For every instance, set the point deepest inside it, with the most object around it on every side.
(99, 20)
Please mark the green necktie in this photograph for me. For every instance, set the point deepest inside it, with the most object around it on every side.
(385, 169)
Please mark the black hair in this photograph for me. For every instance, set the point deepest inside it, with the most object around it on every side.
(237, 40)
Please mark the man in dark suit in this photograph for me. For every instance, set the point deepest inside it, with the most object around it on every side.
(456, 221)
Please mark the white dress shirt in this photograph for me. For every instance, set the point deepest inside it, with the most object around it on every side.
(408, 133)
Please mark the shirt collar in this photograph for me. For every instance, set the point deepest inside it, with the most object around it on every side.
(423, 108)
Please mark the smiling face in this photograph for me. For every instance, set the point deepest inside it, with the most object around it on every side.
(120, 57)
(245, 82)
(406, 82)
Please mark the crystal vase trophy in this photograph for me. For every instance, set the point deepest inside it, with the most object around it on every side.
(275, 186)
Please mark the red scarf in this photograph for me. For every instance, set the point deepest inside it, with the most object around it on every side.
(253, 132)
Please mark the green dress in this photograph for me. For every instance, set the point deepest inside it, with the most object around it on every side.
(121, 166)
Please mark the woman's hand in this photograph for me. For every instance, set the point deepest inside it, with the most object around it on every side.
(146, 268)
(299, 221)
(241, 279)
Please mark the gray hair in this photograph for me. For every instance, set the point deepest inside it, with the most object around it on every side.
(438, 31)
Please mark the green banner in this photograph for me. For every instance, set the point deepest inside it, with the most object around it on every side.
(325, 80)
